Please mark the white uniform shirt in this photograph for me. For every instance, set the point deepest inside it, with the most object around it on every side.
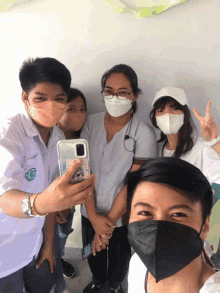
(27, 165)
(110, 162)
(137, 278)
(203, 157)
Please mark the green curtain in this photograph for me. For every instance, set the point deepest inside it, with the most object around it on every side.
(145, 7)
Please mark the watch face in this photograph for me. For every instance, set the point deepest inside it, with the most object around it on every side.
(24, 206)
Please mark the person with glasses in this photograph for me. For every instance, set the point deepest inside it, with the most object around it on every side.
(119, 143)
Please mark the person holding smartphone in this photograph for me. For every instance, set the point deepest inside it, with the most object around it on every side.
(169, 202)
(31, 190)
(119, 142)
(71, 124)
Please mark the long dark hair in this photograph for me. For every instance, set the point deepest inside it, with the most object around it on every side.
(186, 132)
(129, 73)
(174, 173)
(73, 95)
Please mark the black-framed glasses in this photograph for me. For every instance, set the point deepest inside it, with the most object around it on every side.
(121, 95)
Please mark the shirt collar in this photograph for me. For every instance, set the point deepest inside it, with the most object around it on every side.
(31, 129)
(28, 125)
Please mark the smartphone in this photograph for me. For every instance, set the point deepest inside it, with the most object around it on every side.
(87, 251)
(69, 150)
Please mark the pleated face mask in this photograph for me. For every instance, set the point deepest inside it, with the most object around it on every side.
(164, 247)
(170, 123)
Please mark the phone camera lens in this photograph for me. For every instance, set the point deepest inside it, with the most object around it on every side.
(80, 150)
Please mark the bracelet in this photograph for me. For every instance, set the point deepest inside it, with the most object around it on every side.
(34, 208)
(212, 142)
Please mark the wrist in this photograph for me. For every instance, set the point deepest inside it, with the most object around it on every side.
(38, 204)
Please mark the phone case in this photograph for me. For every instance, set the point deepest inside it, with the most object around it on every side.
(87, 251)
(67, 152)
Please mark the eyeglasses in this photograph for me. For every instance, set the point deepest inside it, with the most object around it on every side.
(121, 95)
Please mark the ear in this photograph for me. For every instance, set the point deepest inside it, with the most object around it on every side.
(135, 97)
(206, 228)
(24, 97)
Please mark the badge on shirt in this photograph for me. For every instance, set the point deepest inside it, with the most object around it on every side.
(30, 174)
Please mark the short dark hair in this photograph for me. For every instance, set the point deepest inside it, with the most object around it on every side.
(129, 73)
(174, 173)
(34, 71)
(186, 132)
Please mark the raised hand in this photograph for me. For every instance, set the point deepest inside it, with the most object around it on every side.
(209, 129)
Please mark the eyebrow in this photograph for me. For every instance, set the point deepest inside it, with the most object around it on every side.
(121, 88)
(42, 94)
(147, 205)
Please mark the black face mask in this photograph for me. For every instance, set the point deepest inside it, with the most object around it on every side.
(164, 247)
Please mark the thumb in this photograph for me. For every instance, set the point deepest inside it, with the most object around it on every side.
(39, 262)
(51, 264)
(71, 170)
(110, 223)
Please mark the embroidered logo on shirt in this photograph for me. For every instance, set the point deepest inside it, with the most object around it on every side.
(31, 174)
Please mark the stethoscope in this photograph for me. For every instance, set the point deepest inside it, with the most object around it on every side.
(127, 135)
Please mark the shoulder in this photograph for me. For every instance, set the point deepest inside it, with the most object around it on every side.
(11, 127)
(137, 274)
(59, 133)
(212, 285)
(143, 128)
(95, 118)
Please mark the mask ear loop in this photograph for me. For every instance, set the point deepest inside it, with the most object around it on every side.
(201, 228)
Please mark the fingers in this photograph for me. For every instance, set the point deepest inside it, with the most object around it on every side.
(110, 224)
(207, 113)
(93, 248)
(71, 170)
(81, 186)
(198, 116)
(80, 197)
(61, 216)
(51, 265)
(39, 262)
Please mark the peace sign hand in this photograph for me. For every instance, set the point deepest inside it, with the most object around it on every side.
(209, 129)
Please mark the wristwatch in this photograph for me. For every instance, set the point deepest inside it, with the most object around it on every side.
(26, 206)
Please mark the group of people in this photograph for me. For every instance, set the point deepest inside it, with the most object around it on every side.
(155, 197)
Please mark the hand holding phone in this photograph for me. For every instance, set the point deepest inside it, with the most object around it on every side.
(61, 194)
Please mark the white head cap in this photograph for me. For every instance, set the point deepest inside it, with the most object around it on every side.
(174, 92)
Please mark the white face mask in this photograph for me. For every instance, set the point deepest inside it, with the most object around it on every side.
(116, 107)
(170, 123)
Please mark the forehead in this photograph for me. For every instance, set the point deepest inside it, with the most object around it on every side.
(167, 102)
(47, 88)
(161, 196)
(118, 80)
(76, 102)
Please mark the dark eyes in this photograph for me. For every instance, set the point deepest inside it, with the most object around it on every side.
(175, 215)
(74, 110)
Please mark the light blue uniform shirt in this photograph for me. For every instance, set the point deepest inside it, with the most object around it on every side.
(27, 165)
(110, 162)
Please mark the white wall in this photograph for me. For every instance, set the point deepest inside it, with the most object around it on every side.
(178, 47)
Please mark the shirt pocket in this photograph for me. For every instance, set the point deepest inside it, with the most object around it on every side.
(32, 171)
